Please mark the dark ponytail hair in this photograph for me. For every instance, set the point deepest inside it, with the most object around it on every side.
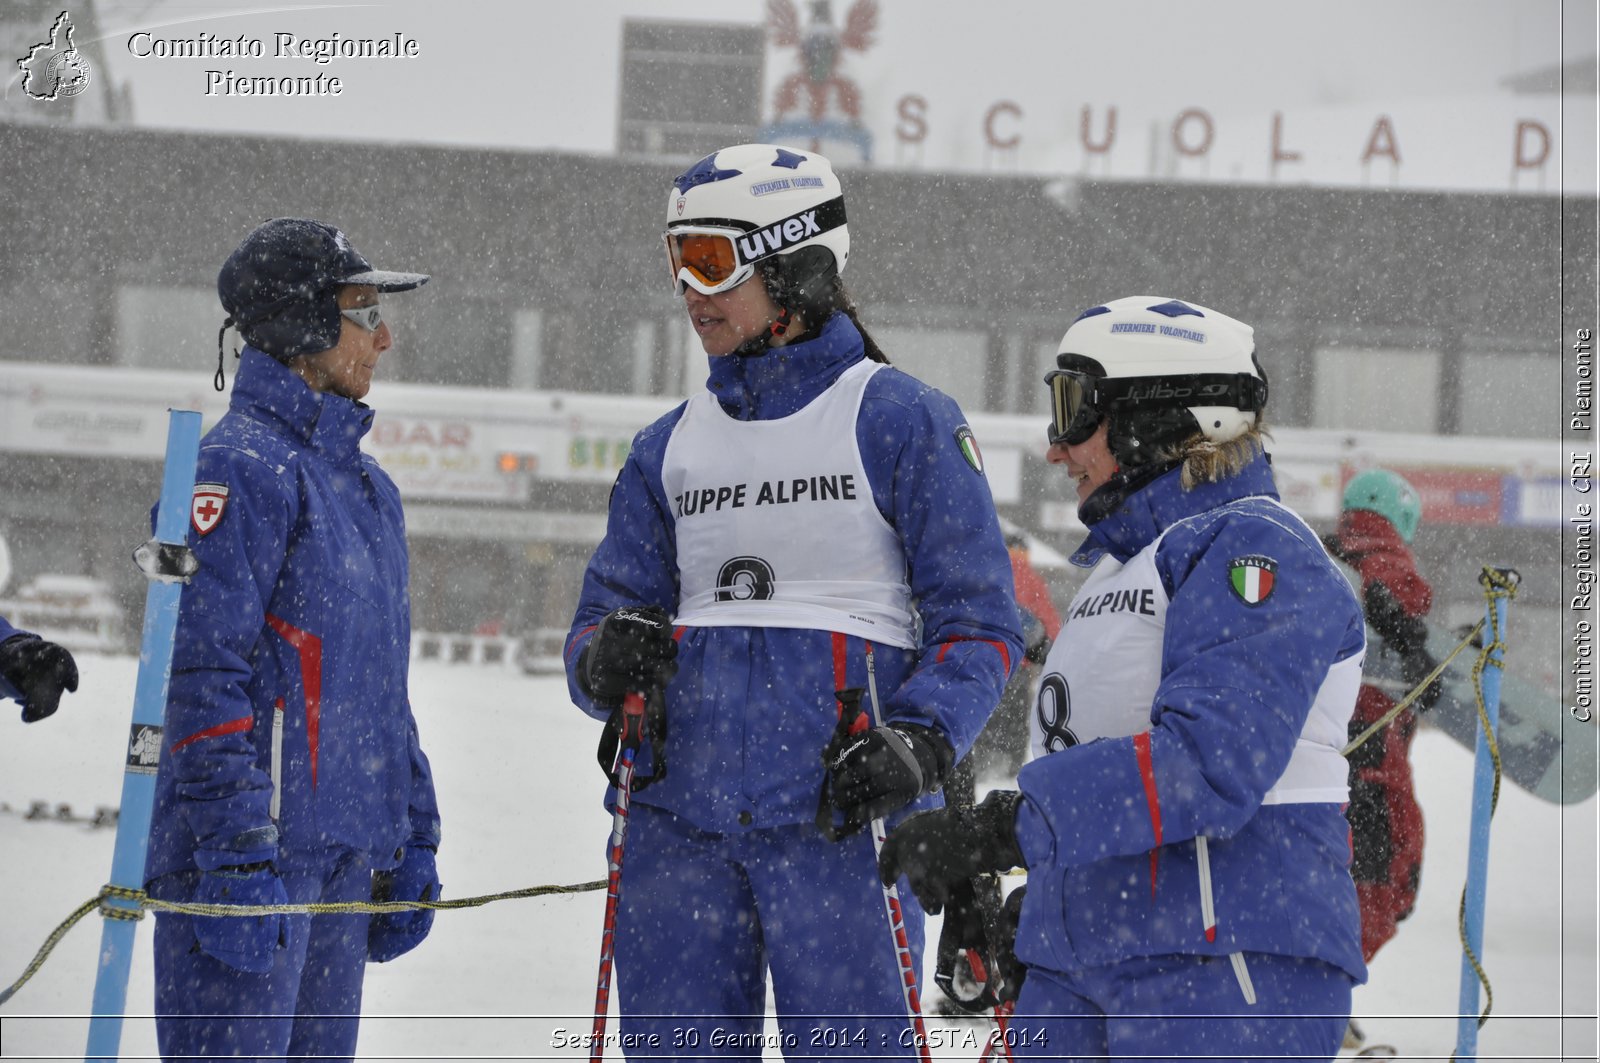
(807, 282)
(847, 306)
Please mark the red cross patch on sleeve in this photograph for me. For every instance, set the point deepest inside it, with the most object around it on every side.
(205, 511)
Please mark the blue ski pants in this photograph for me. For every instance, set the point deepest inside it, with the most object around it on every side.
(307, 1006)
(703, 918)
(1184, 1007)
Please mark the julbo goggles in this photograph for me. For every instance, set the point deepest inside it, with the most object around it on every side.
(1079, 400)
(1073, 416)
(706, 257)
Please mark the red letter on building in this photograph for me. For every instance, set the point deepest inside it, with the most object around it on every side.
(913, 127)
(1111, 131)
(1278, 154)
(1381, 130)
(988, 125)
(1523, 160)
(1178, 140)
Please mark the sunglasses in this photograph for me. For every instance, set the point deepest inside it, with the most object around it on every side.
(706, 258)
(368, 317)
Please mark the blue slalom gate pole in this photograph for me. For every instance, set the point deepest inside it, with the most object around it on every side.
(1499, 585)
(168, 564)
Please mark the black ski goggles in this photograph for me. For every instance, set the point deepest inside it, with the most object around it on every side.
(1080, 400)
(1073, 414)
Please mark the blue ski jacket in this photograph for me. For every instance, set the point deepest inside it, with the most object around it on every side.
(1108, 828)
(288, 730)
(7, 632)
(751, 708)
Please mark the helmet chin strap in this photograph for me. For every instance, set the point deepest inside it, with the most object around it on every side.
(760, 344)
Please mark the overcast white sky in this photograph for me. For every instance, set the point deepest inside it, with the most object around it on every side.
(542, 74)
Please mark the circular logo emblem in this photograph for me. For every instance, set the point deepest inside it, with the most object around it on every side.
(68, 72)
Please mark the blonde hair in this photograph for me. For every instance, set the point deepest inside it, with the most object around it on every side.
(1205, 462)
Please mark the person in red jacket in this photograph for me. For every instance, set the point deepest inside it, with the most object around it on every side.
(1381, 512)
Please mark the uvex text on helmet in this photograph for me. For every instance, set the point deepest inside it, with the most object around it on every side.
(749, 204)
(280, 286)
(1168, 366)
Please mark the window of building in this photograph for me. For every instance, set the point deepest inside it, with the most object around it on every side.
(168, 327)
(1035, 396)
(952, 360)
(460, 340)
(527, 348)
(1515, 395)
(1385, 390)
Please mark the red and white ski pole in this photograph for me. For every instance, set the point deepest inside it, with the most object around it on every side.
(633, 711)
(892, 906)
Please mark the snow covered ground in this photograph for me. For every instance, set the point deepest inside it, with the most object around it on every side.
(520, 794)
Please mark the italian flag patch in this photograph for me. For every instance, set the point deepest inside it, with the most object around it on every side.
(969, 448)
(1252, 578)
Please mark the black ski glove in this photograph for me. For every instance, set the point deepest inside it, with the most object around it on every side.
(40, 671)
(940, 850)
(978, 923)
(1404, 634)
(632, 650)
(884, 769)
(1415, 667)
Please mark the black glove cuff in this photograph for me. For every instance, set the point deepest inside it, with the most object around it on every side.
(933, 751)
(582, 672)
(998, 815)
(9, 649)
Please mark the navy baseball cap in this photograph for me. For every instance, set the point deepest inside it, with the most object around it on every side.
(280, 286)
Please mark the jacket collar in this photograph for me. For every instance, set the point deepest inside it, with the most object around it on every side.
(782, 380)
(1147, 511)
(267, 390)
(1362, 532)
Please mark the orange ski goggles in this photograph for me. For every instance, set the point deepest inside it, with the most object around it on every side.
(706, 258)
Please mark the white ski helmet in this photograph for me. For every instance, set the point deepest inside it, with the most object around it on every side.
(755, 203)
(1166, 369)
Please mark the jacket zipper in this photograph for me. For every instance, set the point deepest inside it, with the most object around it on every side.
(1208, 918)
(277, 760)
(872, 689)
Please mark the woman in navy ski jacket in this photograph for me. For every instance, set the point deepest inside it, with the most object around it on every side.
(1182, 821)
(290, 764)
(813, 522)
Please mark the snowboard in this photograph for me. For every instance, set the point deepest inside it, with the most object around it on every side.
(1543, 748)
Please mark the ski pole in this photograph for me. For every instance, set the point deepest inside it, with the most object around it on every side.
(168, 564)
(633, 713)
(892, 906)
(1499, 585)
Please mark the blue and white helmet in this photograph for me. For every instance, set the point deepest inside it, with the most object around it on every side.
(754, 203)
(1147, 358)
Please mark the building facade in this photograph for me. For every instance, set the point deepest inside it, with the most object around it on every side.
(1414, 329)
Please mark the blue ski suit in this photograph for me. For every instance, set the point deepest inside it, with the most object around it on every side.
(288, 736)
(726, 873)
(1164, 874)
(7, 632)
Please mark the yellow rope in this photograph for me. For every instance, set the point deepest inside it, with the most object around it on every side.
(372, 907)
(1405, 703)
(144, 901)
(1496, 584)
